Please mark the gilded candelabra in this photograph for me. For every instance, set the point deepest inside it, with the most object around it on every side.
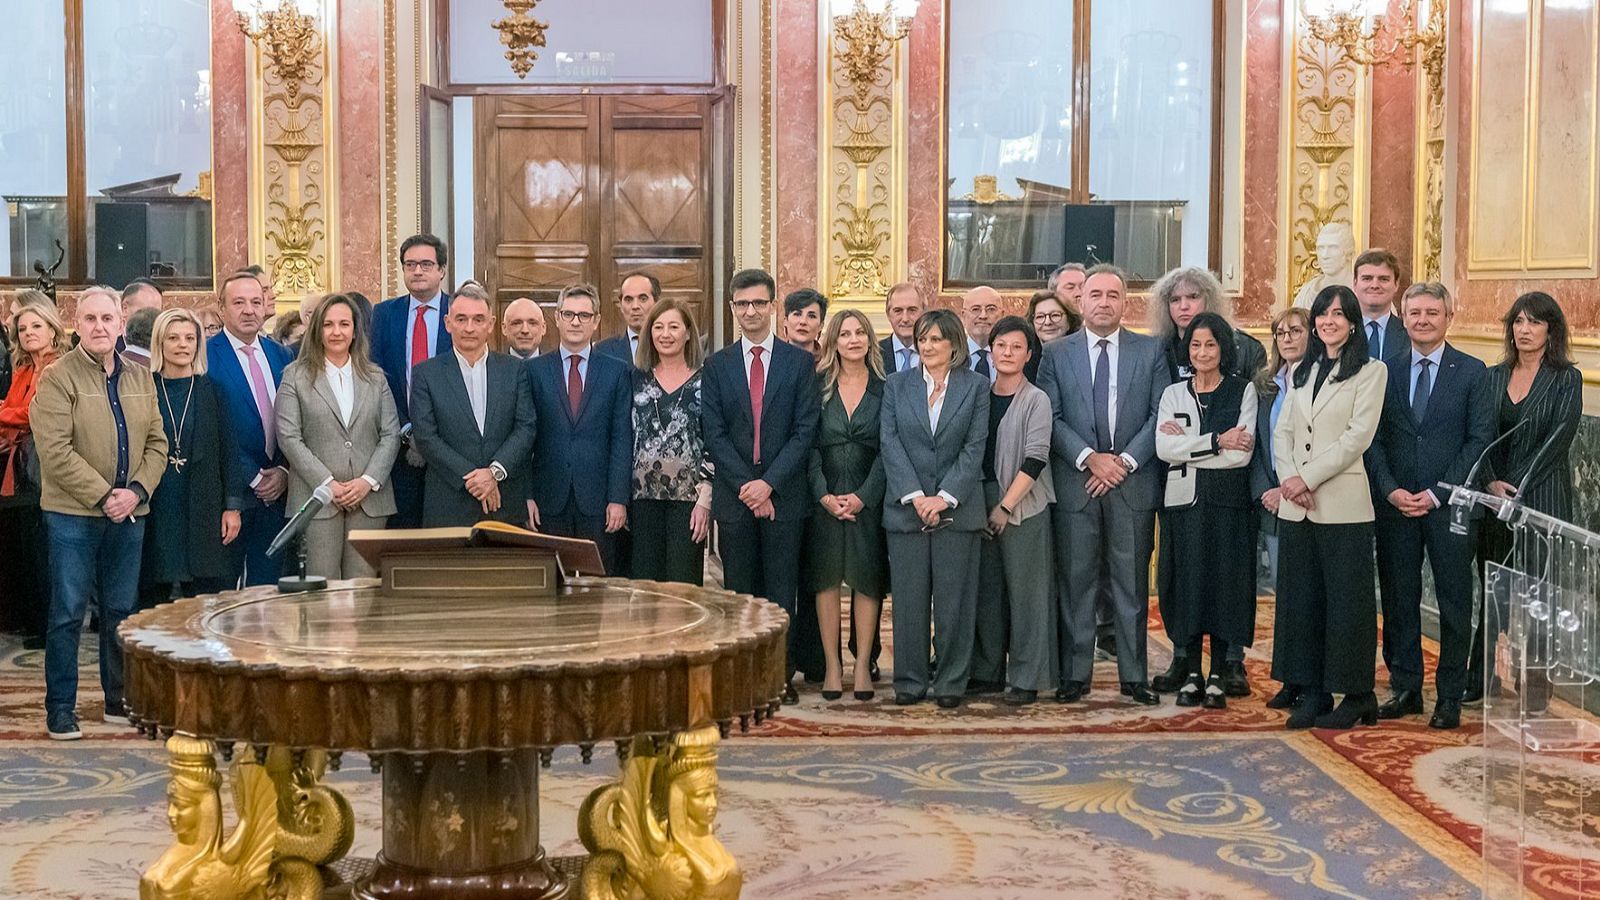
(521, 32)
(287, 34)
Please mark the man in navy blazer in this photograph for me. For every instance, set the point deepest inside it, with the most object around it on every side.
(902, 305)
(636, 297)
(584, 450)
(247, 367)
(1377, 276)
(1437, 420)
(473, 422)
(760, 405)
(408, 330)
(1104, 383)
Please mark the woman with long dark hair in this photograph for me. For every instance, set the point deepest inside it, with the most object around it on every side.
(1326, 627)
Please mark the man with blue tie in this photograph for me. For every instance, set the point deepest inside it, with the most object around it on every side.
(1437, 420)
(1377, 276)
(247, 367)
(980, 309)
(408, 330)
(635, 298)
(759, 410)
(583, 401)
(901, 306)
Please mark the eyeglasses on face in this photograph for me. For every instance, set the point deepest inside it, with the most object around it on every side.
(1292, 331)
(747, 305)
(1050, 317)
(574, 315)
(419, 265)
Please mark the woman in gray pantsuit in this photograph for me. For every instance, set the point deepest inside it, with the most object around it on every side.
(337, 425)
(1017, 486)
(935, 422)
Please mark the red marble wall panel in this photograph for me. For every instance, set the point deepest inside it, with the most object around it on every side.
(1263, 110)
(360, 124)
(795, 136)
(230, 179)
(1394, 141)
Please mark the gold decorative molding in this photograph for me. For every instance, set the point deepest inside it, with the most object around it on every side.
(986, 189)
(1327, 150)
(1428, 213)
(521, 32)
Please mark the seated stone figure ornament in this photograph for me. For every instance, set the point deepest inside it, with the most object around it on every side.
(650, 835)
(204, 863)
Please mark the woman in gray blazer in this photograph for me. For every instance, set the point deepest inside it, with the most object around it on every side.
(337, 425)
(1018, 492)
(935, 420)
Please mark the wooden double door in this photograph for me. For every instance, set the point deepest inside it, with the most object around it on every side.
(592, 188)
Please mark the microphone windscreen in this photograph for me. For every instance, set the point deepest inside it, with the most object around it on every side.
(322, 494)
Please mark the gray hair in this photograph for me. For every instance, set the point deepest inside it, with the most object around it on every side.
(1166, 289)
(1055, 276)
(1433, 289)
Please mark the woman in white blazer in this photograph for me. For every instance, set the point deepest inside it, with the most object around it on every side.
(1326, 631)
(1205, 433)
(337, 425)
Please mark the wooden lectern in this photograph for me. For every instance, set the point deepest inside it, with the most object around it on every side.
(490, 558)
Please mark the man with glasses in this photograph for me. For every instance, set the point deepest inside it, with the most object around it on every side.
(583, 401)
(759, 416)
(980, 309)
(408, 330)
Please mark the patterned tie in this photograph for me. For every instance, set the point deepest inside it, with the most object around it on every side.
(258, 386)
(574, 386)
(1102, 397)
(758, 389)
(1419, 397)
(419, 336)
(1374, 341)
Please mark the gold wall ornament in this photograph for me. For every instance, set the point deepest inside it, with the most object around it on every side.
(205, 862)
(1370, 37)
(521, 32)
(866, 36)
(650, 835)
(287, 34)
(986, 189)
(1428, 215)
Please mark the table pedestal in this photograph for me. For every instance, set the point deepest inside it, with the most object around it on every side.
(462, 825)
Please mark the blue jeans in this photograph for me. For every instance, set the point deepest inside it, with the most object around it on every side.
(91, 557)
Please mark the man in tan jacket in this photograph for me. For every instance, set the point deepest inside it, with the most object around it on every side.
(102, 451)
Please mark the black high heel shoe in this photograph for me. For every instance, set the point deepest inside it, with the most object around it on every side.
(1285, 698)
(832, 695)
(865, 695)
(1353, 708)
(1309, 707)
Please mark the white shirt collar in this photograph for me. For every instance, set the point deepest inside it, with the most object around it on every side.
(745, 345)
(238, 344)
(899, 345)
(437, 303)
(927, 379)
(581, 354)
(1383, 320)
(1436, 357)
(1115, 337)
(464, 363)
(340, 370)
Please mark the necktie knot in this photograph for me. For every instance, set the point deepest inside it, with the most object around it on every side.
(756, 351)
(1104, 343)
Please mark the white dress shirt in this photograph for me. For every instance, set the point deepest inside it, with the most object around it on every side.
(1113, 350)
(583, 365)
(766, 355)
(935, 409)
(266, 370)
(341, 380)
(1383, 332)
(476, 377)
(905, 355)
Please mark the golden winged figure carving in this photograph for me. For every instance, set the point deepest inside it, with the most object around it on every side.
(205, 864)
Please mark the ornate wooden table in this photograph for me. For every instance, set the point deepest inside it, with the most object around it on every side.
(457, 701)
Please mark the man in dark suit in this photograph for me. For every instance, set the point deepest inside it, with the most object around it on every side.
(1104, 383)
(406, 331)
(247, 367)
(1377, 274)
(759, 416)
(636, 297)
(1437, 419)
(901, 306)
(473, 423)
(584, 404)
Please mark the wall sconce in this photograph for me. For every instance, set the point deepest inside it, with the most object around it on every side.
(521, 32)
(1367, 35)
(286, 34)
(867, 31)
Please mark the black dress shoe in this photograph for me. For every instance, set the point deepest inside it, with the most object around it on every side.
(947, 702)
(1473, 695)
(1446, 715)
(790, 695)
(1235, 683)
(1192, 691)
(1286, 697)
(1173, 678)
(1353, 708)
(1308, 707)
(1141, 693)
(1215, 697)
(904, 699)
(33, 642)
(975, 686)
(1401, 703)
(1020, 697)
(1071, 692)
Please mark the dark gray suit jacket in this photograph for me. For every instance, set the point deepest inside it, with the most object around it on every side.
(445, 432)
(917, 458)
(1067, 379)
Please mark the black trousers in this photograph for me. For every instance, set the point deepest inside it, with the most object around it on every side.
(1402, 542)
(25, 588)
(761, 557)
(154, 594)
(1326, 627)
(662, 547)
(569, 521)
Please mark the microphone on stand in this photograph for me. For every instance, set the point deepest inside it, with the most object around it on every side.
(297, 526)
(1460, 505)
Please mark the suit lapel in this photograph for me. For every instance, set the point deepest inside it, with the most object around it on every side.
(1125, 367)
(918, 395)
(458, 385)
(1329, 388)
(558, 381)
(322, 388)
(227, 365)
(591, 385)
(1079, 355)
(741, 385)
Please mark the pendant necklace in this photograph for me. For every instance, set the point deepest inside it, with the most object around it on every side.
(176, 458)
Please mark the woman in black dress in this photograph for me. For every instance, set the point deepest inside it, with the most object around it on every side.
(1538, 388)
(846, 541)
(671, 507)
(191, 515)
(1205, 435)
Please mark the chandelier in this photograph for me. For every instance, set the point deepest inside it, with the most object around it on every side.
(867, 31)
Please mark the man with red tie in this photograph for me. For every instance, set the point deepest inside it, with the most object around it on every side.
(759, 414)
(408, 330)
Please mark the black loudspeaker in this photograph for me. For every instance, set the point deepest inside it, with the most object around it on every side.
(1090, 234)
(121, 243)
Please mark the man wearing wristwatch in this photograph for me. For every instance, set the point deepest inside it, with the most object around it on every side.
(472, 419)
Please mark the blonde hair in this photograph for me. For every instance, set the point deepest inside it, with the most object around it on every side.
(59, 344)
(647, 357)
(158, 337)
(829, 364)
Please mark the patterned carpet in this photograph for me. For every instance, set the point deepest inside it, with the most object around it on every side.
(1102, 799)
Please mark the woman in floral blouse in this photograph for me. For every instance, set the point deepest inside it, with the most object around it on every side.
(671, 511)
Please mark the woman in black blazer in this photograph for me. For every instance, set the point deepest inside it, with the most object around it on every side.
(844, 543)
(1539, 389)
(192, 518)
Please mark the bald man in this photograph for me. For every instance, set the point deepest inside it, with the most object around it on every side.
(523, 328)
(980, 309)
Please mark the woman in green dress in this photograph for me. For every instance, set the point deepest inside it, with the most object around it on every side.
(846, 533)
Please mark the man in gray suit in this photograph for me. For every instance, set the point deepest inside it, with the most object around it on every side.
(1104, 383)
